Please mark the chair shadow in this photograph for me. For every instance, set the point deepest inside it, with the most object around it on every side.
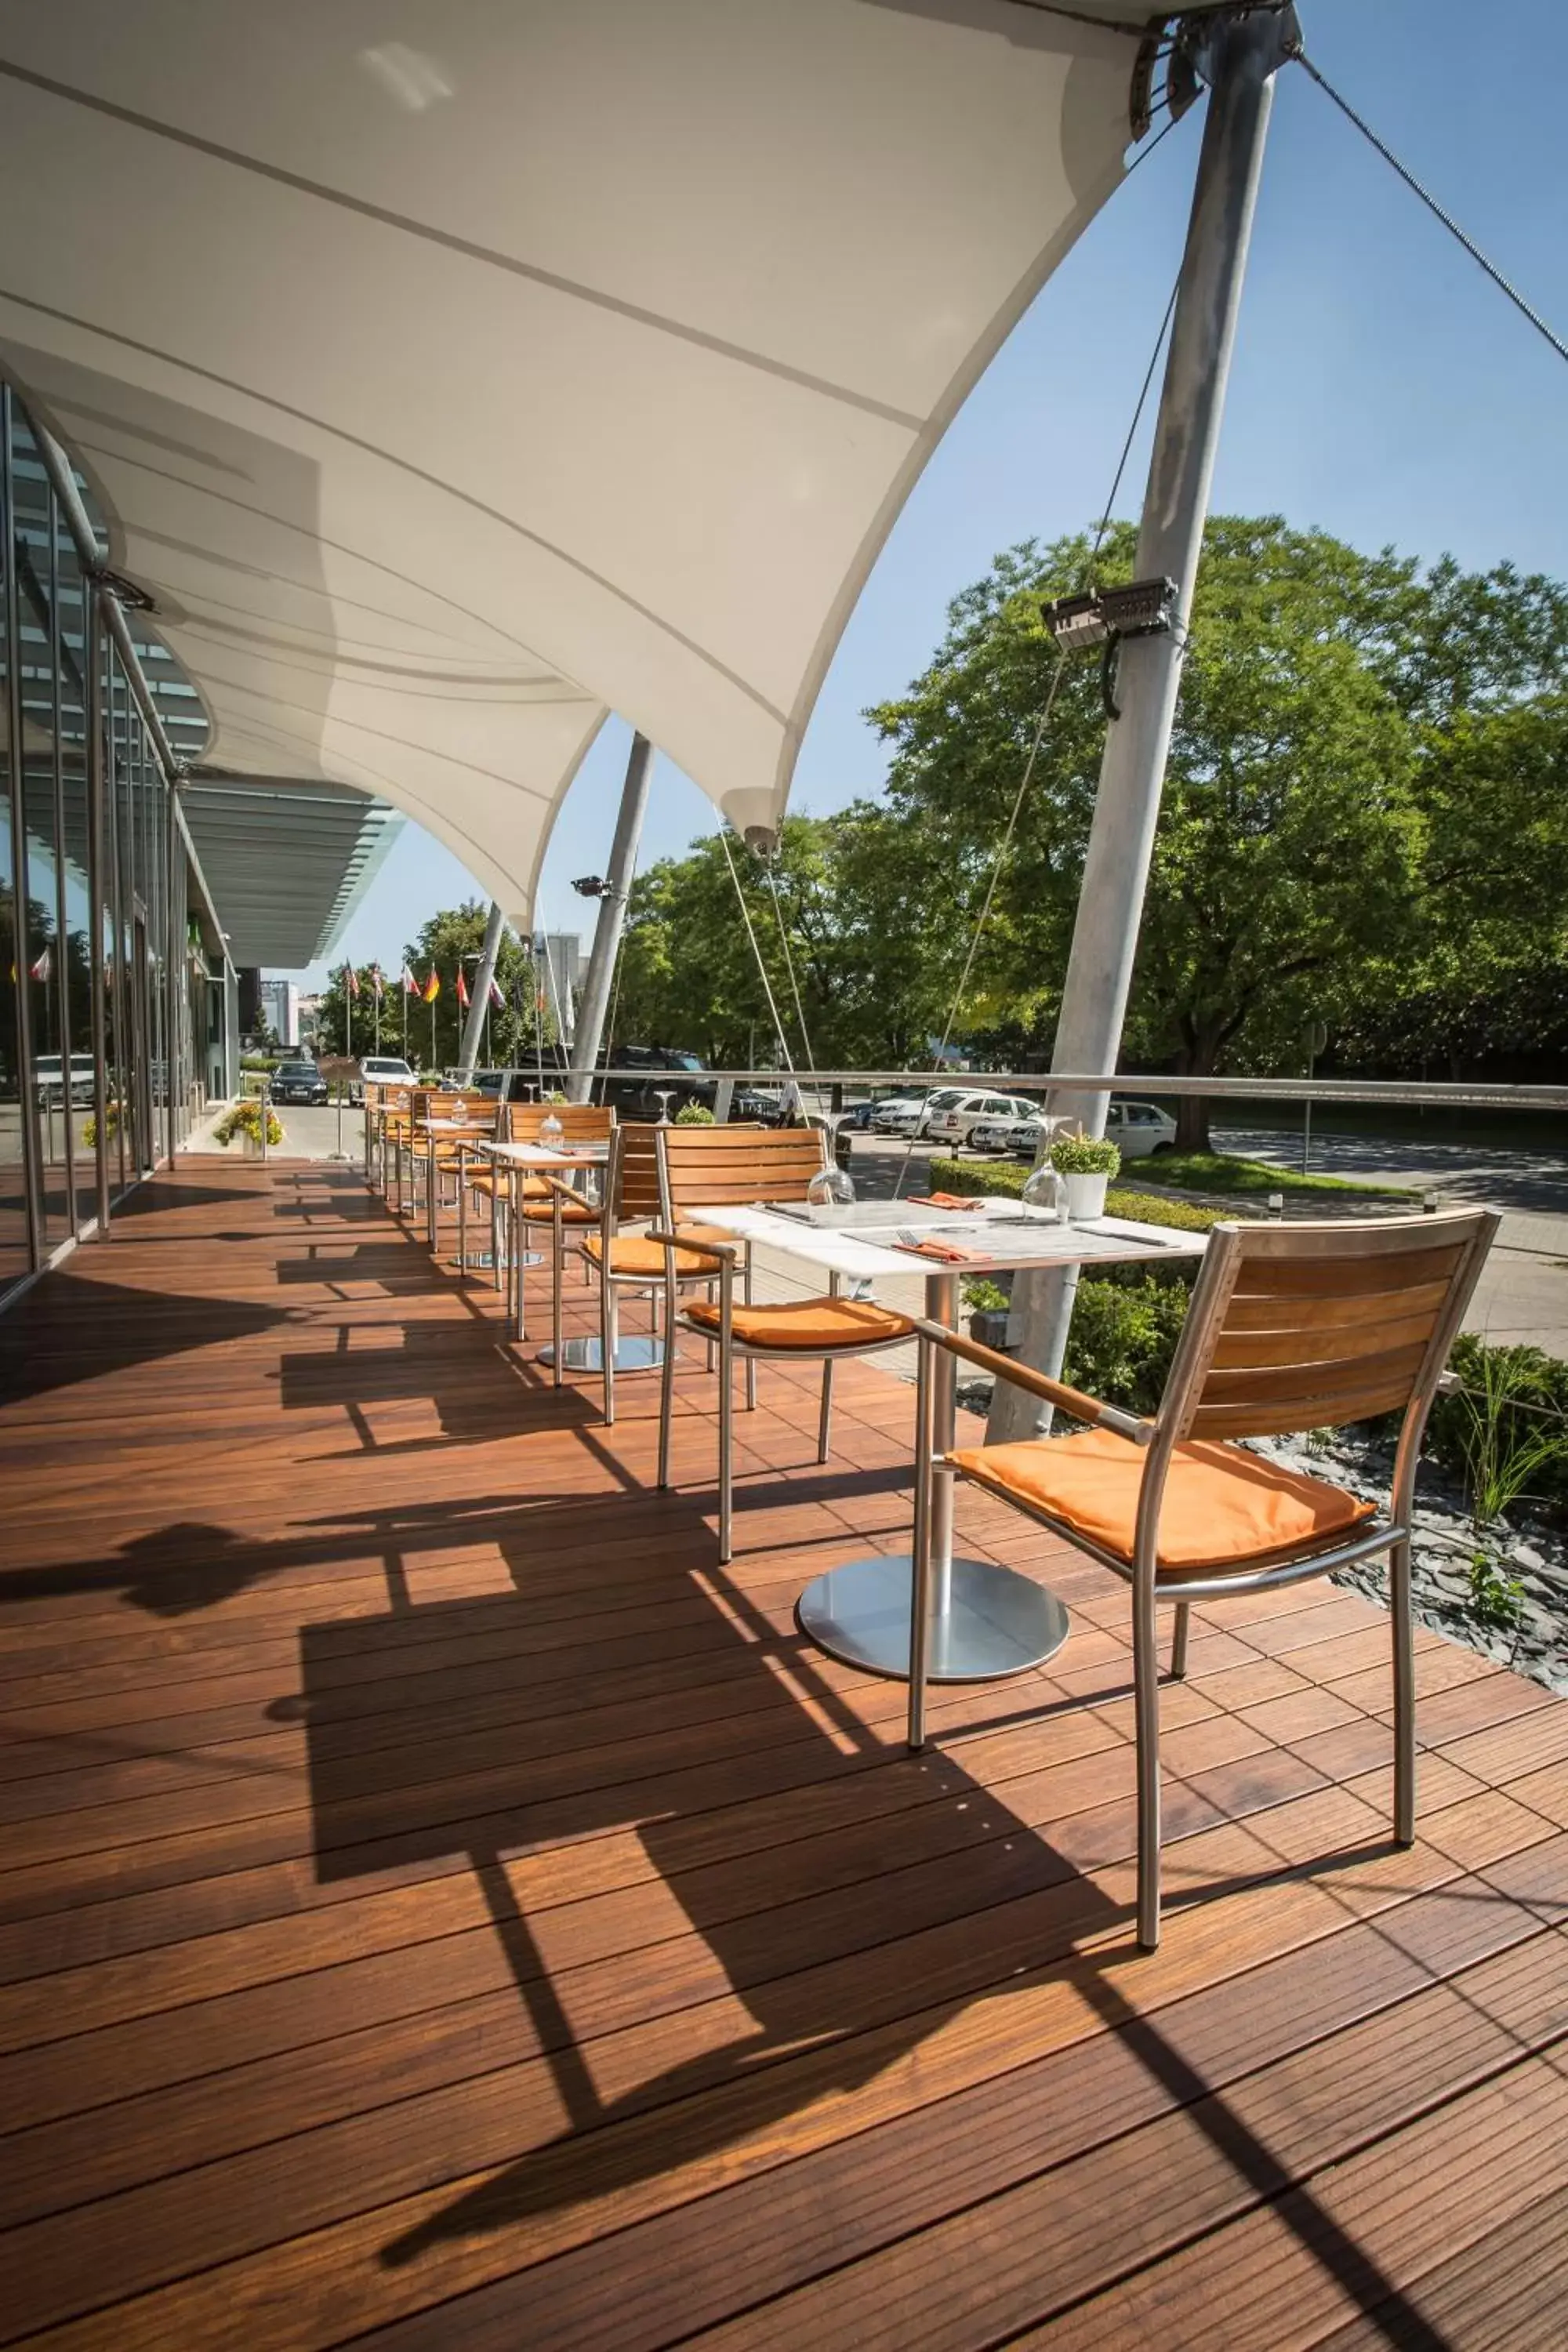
(901, 1892)
(76, 1328)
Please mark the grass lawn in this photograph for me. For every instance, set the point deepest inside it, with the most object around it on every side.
(1227, 1172)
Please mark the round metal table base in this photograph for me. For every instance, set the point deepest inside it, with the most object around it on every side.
(636, 1355)
(531, 1257)
(995, 1622)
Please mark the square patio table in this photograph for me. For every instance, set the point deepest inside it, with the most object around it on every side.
(987, 1621)
(637, 1354)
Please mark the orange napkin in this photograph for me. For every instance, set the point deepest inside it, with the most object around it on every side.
(945, 1201)
(946, 1252)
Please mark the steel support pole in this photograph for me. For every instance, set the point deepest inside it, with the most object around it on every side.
(484, 973)
(595, 1004)
(1242, 56)
(97, 771)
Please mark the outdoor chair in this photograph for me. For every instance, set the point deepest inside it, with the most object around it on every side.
(706, 1167)
(629, 1264)
(438, 1155)
(1291, 1328)
(389, 1112)
(544, 1203)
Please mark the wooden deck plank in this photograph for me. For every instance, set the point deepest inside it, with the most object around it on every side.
(440, 1902)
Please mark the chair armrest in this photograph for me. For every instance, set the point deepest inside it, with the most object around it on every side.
(717, 1250)
(1021, 1376)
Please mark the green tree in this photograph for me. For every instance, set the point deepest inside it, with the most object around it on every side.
(450, 941)
(1288, 876)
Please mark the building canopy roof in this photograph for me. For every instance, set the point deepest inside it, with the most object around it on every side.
(451, 377)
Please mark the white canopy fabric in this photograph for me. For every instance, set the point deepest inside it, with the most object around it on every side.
(453, 375)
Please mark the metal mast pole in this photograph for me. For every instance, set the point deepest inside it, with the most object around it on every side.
(596, 1001)
(1242, 54)
(485, 971)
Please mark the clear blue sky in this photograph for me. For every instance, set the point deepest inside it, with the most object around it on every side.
(1383, 389)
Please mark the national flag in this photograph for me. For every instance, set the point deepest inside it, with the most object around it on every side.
(44, 966)
(351, 979)
(496, 996)
(410, 985)
(432, 986)
(462, 989)
(378, 981)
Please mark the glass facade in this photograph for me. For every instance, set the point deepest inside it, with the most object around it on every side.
(112, 991)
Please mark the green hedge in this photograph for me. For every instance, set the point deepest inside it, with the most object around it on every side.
(1007, 1178)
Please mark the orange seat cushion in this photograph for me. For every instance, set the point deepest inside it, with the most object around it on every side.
(1223, 1507)
(815, 1326)
(634, 1255)
(573, 1212)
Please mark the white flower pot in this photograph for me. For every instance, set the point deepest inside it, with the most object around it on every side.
(1086, 1197)
(249, 1145)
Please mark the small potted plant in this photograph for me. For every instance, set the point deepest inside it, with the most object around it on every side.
(1085, 1164)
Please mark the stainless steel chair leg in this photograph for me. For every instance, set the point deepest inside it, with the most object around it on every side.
(726, 1448)
(666, 1384)
(557, 1272)
(1179, 1641)
(1404, 1695)
(607, 1337)
(1146, 1681)
(920, 1609)
(824, 1415)
(751, 1361)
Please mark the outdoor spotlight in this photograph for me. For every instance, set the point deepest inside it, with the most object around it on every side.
(1104, 617)
(590, 885)
(1145, 608)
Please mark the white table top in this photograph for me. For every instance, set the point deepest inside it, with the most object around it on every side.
(1001, 1237)
(455, 1127)
(545, 1155)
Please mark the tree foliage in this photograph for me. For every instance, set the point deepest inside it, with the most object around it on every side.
(1365, 823)
(450, 941)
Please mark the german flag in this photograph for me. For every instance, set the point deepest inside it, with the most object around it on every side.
(432, 986)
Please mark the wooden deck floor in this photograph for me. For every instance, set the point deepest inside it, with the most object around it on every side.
(442, 1908)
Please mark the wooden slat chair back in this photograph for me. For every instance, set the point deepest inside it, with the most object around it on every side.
(704, 1168)
(580, 1122)
(707, 1166)
(1290, 1333)
(624, 1261)
(1291, 1328)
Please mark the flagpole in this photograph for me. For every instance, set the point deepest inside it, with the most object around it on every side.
(405, 1013)
(348, 1013)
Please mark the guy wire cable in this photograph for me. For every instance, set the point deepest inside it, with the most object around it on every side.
(1045, 717)
(789, 966)
(1430, 201)
(757, 950)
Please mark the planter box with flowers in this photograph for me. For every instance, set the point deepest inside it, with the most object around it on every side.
(245, 1121)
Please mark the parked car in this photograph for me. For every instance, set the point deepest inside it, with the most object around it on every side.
(380, 1070)
(1019, 1136)
(1140, 1129)
(861, 1117)
(753, 1107)
(656, 1072)
(298, 1082)
(49, 1077)
(955, 1120)
(907, 1115)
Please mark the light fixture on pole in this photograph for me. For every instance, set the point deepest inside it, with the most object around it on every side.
(1105, 617)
